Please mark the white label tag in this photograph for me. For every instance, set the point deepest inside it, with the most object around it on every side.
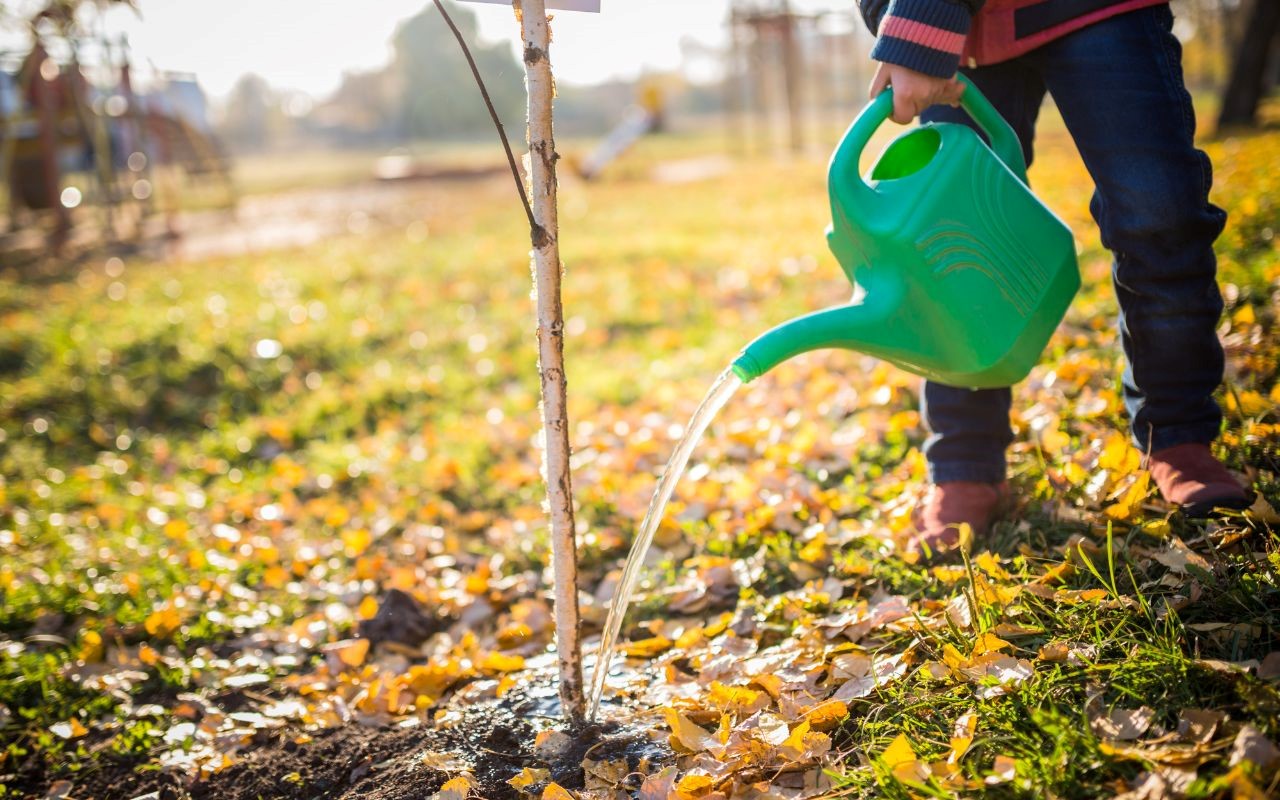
(565, 5)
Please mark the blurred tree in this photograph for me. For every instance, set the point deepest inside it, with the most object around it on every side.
(65, 13)
(364, 108)
(438, 97)
(1248, 80)
(253, 114)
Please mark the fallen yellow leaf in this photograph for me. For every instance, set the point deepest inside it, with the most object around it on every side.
(500, 662)
(686, 733)
(690, 786)
(898, 752)
(163, 621)
(647, 648)
(555, 791)
(962, 736)
(988, 643)
(356, 541)
(825, 716)
(456, 788)
(529, 777)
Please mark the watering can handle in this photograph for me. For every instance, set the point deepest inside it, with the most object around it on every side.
(844, 164)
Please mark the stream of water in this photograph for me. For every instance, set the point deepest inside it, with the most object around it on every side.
(719, 394)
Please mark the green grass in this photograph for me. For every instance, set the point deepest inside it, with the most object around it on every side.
(157, 455)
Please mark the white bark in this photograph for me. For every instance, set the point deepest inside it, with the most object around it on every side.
(555, 419)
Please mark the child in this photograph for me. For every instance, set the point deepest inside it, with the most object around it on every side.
(1114, 70)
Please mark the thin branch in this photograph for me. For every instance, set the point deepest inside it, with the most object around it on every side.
(497, 123)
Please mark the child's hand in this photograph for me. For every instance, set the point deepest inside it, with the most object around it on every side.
(913, 91)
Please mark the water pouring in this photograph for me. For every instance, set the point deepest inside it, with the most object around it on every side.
(961, 274)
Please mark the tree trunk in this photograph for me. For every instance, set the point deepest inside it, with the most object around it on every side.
(1244, 88)
(555, 418)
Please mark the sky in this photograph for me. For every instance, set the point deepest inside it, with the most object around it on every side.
(306, 45)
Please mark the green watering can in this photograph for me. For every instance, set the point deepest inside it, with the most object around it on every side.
(961, 275)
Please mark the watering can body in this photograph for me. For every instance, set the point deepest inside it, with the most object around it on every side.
(962, 274)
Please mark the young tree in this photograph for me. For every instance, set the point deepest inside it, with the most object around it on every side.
(548, 271)
(544, 232)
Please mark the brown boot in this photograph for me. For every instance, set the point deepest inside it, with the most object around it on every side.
(938, 516)
(1190, 477)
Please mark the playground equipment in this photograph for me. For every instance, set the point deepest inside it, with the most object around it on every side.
(961, 274)
(645, 117)
(129, 145)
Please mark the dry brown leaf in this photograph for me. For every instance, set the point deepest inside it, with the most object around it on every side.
(1250, 745)
(549, 744)
(1003, 770)
(1123, 724)
(859, 622)
(1069, 652)
(996, 673)
(1159, 785)
(658, 786)
(1177, 755)
(1198, 724)
(1263, 512)
(1009, 629)
(605, 775)
(879, 672)
(58, 790)
(960, 611)
(1269, 668)
(1177, 557)
(1226, 667)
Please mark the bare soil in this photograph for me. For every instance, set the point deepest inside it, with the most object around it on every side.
(492, 740)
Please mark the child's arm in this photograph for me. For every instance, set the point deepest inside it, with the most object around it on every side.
(919, 48)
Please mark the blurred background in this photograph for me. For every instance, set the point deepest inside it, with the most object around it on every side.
(127, 121)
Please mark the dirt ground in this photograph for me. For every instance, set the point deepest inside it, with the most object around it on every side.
(488, 743)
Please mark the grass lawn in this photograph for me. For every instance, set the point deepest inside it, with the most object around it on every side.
(215, 474)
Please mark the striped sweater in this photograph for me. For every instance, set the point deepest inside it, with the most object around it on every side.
(937, 36)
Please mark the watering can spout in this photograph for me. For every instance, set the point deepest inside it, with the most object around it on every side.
(963, 273)
(861, 326)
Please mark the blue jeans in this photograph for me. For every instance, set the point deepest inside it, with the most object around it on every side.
(1118, 84)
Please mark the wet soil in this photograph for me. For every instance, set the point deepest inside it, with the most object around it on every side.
(491, 740)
